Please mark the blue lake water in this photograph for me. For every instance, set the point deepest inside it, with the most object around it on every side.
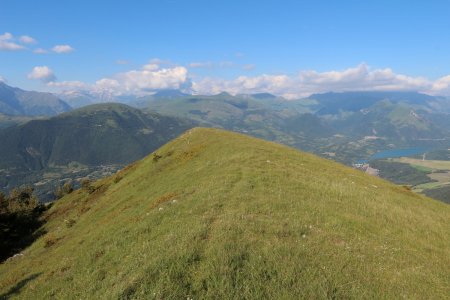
(394, 153)
(398, 153)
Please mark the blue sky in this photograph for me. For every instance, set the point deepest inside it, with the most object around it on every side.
(269, 43)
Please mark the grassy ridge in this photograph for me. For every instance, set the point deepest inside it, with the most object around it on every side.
(218, 215)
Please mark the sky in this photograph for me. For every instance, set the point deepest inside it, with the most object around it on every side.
(288, 48)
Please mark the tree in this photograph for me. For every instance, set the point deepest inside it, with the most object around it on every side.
(19, 219)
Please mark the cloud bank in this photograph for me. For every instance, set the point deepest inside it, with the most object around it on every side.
(359, 78)
(152, 77)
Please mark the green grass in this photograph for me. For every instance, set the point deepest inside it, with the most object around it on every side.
(422, 168)
(429, 185)
(218, 215)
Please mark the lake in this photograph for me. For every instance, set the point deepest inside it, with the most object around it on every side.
(394, 153)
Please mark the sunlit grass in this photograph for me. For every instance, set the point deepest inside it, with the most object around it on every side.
(223, 216)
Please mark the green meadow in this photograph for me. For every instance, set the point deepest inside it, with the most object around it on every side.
(219, 215)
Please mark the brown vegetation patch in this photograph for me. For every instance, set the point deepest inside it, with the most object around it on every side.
(164, 198)
(192, 152)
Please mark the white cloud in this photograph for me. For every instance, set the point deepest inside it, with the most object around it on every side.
(441, 86)
(27, 39)
(62, 49)
(68, 85)
(6, 36)
(42, 73)
(152, 77)
(143, 81)
(359, 78)
(3, 79)
(40, 51)
(149, 78)
(7, 43)
(151, 67)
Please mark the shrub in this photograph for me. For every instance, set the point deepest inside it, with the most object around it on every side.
(87, 186)
(68, 187)
(49, 241)
(156, 157)
(85, 183)
(69, 222)
(61, 191)
(117, 178)
(19, 218)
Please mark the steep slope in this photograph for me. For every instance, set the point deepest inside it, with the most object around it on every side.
(93, 135)
(14, 101)
(219, 215)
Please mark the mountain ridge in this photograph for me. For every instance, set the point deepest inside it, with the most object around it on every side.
(215, 214)
(15, 101)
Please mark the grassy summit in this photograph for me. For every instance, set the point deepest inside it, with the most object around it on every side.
(214, 214)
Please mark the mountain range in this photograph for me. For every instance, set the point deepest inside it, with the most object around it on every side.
(90, 141)
(346, 127)
(97, 134)
(15, 101)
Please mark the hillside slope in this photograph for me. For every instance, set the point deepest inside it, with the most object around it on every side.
(219, 215)
(93, 135)
(15, 101)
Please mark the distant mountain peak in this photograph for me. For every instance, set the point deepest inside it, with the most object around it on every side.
(15, 101)
(170, 94)
(264, 96)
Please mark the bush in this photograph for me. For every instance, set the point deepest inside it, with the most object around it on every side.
(49, 241)
(117, 178)
(156, 157)
(69, 222)
(60, 192)
(87, 186)
(68, 187)
(85, 183)
(19, 219)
